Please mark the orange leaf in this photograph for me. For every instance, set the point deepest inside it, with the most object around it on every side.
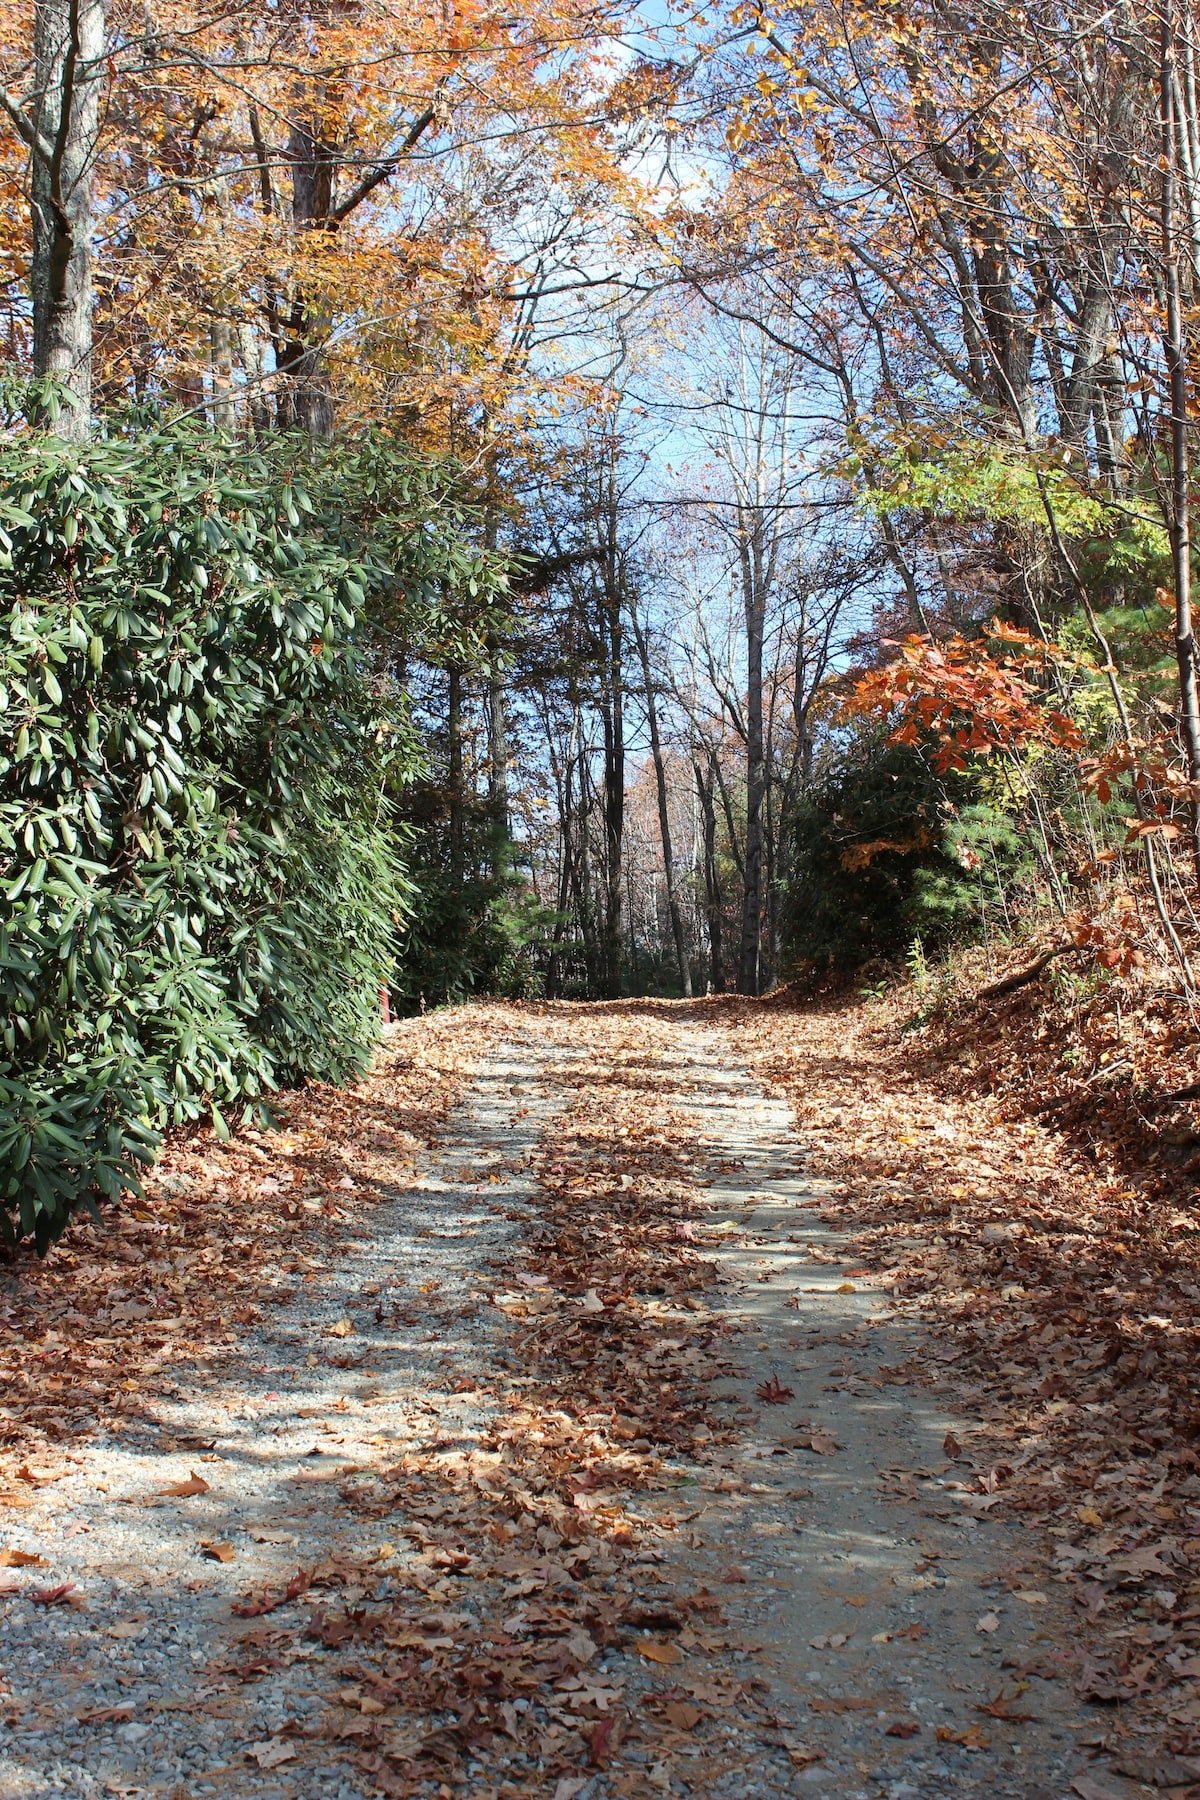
(183, 1490)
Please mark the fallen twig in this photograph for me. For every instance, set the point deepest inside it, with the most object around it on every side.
(1020, 977)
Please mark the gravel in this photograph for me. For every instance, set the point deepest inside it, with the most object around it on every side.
(272, 1431)
(394, 1345)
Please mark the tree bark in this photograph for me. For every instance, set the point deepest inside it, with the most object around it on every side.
(748, 952)
(614, 794)
(498, 814)
(664, 820)
(713, 898)
(497, 714)
(455, 771)
(68, 49)
(1177, 369)
(224, 416)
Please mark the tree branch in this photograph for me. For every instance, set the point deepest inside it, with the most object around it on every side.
(385, 170)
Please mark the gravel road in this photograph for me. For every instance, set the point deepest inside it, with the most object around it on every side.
(901, 1650)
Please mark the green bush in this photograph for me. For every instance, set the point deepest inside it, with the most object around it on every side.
(880, 852)
(198, 878)
(467, 937)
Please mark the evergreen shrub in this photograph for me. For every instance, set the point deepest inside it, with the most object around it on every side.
(198, 878)
(881, 852)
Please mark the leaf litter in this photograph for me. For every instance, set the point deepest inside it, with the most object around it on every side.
(510, 1645)
(1051, 1249)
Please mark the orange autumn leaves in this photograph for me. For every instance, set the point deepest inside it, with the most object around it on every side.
(967, 700)
(342, 181)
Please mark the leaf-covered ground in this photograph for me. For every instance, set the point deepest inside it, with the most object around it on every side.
(1054, 1253)
(448, 1439)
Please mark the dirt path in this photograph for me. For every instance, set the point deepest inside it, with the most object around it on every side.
(587, 1466)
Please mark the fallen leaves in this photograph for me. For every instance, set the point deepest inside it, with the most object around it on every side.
(271, 1754)
(1058, 1277)
(819, 1442)
(517, 1579)
(268, 1603)
(184, 1490)
(972, 1738)
(63, 1594)
(164, 1272)
(1158, 1771)
(1003, 1706)
(683, 1715)
(1088, 1788)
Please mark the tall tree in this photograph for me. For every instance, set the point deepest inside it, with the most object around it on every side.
(59, 122)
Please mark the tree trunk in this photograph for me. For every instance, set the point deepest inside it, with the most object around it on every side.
(1177, 368)
(68, 49)
(713, 898)
(613, 697)
(497, 757)
(307, 400)
(748, 953)
(250, 351)
(614, 802)
(222, 370)
(455, 770)
(664, 820)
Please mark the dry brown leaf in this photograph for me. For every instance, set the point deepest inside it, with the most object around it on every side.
(1088, 1788)
(973, 1738)
(683, 1715)
(270, 1754)
(184, 1490)
(655, 1651)
(106, 1715)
